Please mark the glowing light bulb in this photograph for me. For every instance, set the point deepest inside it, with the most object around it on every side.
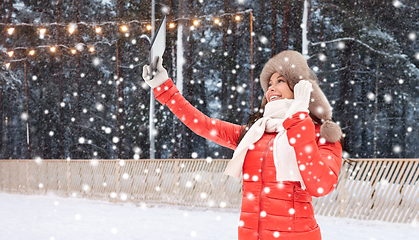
(10, 53)
(217, 21)
(7, 65)
(98, 29)
(91, 49)
(42, 31)
(148, 27)
(10, 30)
(72, 28)
(172, 25)
(52, 49)
(124, 28)
(73, 51)
(195, 22)
(32, 52)
(238, 18)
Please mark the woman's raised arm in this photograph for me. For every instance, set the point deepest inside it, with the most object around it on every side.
(221, 132)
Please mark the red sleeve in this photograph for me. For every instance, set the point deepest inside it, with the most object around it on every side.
(319, 161)
(223, 133)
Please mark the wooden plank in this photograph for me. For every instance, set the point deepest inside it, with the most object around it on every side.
(412, 194)
(369, 201)
(392, 198)
(361, 190)
(384, 193)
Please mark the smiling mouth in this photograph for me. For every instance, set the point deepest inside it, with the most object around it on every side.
(273, 98)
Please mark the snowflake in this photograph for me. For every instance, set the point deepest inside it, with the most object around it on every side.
(86, 188)
(96, 61)
(388, 98)
(412, 36)
(397, 3)
(263, 214)
(397, 149)
(24, 116)
(94, 162)
(322, 57)
(371, 96)
(124, 196)
(263, 39)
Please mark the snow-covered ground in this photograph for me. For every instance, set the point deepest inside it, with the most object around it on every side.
(55, 218)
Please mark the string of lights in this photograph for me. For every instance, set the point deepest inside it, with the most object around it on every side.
(92, 24)
(117, 23)
(124, 27)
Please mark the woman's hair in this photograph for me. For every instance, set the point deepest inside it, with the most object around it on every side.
(253, 118)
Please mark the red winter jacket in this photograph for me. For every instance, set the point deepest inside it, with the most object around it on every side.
(270, 209)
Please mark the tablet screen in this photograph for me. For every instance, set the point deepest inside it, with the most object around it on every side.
(158, 44)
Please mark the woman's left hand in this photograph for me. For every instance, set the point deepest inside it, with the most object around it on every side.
(302, 92)
(157, 78)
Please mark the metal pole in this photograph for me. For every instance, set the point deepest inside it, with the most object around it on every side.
(119, 85)
(118, 96)
(305, 29)
(152, 101)
(27, 113)
(377, 74)
(251, 61)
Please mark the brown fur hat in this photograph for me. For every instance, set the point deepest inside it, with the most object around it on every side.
(293, 66)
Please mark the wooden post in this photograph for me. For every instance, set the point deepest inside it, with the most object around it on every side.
(176, 178)
(342, 195)
(27, 176)
(68, 178)
(117, 178)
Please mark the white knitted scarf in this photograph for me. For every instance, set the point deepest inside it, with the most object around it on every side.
(284, 155)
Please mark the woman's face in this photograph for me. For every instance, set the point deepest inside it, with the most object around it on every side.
(278, 88)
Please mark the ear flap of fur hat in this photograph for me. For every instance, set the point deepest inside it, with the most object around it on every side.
(330, 131)
(320, 107)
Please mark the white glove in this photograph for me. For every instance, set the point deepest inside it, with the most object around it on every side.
(302, 92)
(158, 77)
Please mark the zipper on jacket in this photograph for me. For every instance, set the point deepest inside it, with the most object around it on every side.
(293, 205)
(262, 185)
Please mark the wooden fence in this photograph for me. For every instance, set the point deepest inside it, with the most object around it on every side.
(370, 189)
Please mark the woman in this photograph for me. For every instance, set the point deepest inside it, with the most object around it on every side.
(288, 152)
